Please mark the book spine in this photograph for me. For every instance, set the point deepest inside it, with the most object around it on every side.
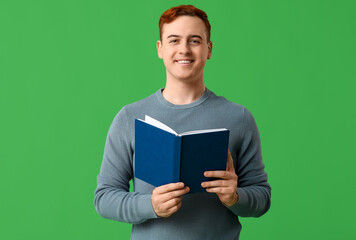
(177, 158)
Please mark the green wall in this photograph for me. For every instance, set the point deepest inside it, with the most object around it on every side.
(67, 67)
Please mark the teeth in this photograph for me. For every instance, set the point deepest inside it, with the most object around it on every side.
(184, 61)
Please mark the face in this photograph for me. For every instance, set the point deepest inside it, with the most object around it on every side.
(184, 48)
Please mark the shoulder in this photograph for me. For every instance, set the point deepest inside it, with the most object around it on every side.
(236, 114)
(135, 109)
(141, 104)
(227, 106)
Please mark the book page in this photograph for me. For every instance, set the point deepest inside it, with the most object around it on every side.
(158, 124)
(203, 131)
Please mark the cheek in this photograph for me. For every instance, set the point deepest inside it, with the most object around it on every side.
(203, 53)
(168, 53)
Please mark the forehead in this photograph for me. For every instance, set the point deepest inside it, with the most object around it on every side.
(185, 26)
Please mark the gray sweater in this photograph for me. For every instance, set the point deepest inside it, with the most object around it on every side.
(202, 215)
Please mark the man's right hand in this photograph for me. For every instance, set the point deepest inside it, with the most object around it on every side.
(167, 199)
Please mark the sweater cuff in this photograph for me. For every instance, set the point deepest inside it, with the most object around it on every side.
(241, 203)
(146, 208)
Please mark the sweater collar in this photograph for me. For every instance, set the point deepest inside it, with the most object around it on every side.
(202, 99)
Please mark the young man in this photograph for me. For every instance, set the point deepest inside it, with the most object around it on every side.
(168, 212)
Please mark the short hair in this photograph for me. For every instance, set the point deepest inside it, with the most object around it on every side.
(183, 10)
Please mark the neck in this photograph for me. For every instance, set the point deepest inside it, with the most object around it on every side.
(181, 93)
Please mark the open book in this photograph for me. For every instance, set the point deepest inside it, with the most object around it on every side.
(163, 156)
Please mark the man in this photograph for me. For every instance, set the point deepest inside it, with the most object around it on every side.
(168, 212)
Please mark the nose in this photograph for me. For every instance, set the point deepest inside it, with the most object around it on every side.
(185, 48)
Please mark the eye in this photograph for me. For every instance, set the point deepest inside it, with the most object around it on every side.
(173, 41)
(195, 41)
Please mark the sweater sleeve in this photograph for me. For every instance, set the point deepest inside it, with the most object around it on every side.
(112, 197)
(253, 189)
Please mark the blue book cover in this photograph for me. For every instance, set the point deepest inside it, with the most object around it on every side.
(162, 156)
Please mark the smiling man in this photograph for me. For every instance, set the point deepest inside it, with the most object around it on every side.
(168, 212)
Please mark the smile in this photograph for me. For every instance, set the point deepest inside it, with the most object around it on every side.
(184, 61)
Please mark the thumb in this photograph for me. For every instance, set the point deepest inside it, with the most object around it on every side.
(229, 163)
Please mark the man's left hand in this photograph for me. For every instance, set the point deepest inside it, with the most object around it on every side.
(226, 186)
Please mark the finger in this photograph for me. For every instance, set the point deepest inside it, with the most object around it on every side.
(216, 183)
(173, 209)
(169, 187)
(230, 163)
(220, 174)
(220, 190)
(171, 203)
(173, 194)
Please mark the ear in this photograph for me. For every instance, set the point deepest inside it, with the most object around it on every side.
(210, 49)
(159, 47)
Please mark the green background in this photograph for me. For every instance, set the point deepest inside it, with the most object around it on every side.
(67, 67)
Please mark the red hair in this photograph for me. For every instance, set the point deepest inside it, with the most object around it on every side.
(183, 10)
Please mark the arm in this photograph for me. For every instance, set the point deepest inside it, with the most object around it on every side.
(253, 194)
(112, 197)
(253, 189)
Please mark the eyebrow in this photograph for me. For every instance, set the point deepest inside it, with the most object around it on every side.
(190, 36)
